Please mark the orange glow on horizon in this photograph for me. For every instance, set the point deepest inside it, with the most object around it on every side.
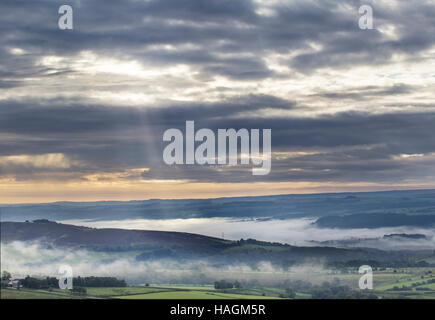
(15, 192)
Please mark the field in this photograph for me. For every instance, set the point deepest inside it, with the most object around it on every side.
(30, 294)
(413, 283)
(122, 291)
(202, 295)
(130, 293)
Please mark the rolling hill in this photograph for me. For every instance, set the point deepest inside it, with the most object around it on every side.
(409, 202)
(153, 245)
(372, 220)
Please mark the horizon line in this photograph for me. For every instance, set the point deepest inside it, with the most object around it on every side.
(216, 198)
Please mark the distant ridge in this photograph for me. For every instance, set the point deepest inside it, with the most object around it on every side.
(350, 196)
(410, 202)
(376, 221)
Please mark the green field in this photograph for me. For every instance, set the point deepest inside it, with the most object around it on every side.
(24, 294)
(177, 292)
(407, 280)
(414, 283)
(203, 295)
(121, 291)
(430, 286)
(188, 287)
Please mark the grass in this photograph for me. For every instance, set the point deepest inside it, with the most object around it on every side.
(241, 296)
(121, 291)
(24, 294)
(406, 281)
(384, 281)
(172, 295)
(188, 287)
(177, 292)
(406, 294)
(430, 286)
(202, 295)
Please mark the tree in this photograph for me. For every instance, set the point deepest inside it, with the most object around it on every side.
(290, 293)
(237, 285)
(6, 275)
(222, 284)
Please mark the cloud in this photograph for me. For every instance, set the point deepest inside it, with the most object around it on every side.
(219, 28)
(99, 139)
(368, 93)
(50, 160)
(350, 101)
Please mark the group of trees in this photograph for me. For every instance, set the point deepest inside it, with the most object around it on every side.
(223, 284)
(289, 293)
(6, 275)
(79, 282)
(35, 283)
(413, 285)
(98, 282)
(327, 290)
(335, 290)
(340, 293)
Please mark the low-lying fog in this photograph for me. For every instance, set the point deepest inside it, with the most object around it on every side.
(291, 231)
(23, 258)
(33, 259)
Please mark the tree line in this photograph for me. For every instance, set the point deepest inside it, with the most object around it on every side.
(52, 282)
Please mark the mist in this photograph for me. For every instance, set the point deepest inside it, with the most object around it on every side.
(301, 232)
(36, 260)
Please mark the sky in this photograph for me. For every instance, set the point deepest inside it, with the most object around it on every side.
(83, 111)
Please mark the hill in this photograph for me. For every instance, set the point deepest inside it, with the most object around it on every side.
(153, 245)
(409, 202)
(59, 234)
(376, 220)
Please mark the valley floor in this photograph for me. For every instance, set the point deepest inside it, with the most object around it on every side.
(400, 283)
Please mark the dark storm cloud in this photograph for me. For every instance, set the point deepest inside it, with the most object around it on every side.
(347, 146)
(60, 116)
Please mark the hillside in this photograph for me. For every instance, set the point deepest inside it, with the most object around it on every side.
(376, 220)
(153, 245)
(77, 236)
(409, 202)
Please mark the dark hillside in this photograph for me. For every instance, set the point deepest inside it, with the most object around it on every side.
(76, 236)
(185, 246)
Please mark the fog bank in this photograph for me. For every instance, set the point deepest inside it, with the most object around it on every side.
(292, 231)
